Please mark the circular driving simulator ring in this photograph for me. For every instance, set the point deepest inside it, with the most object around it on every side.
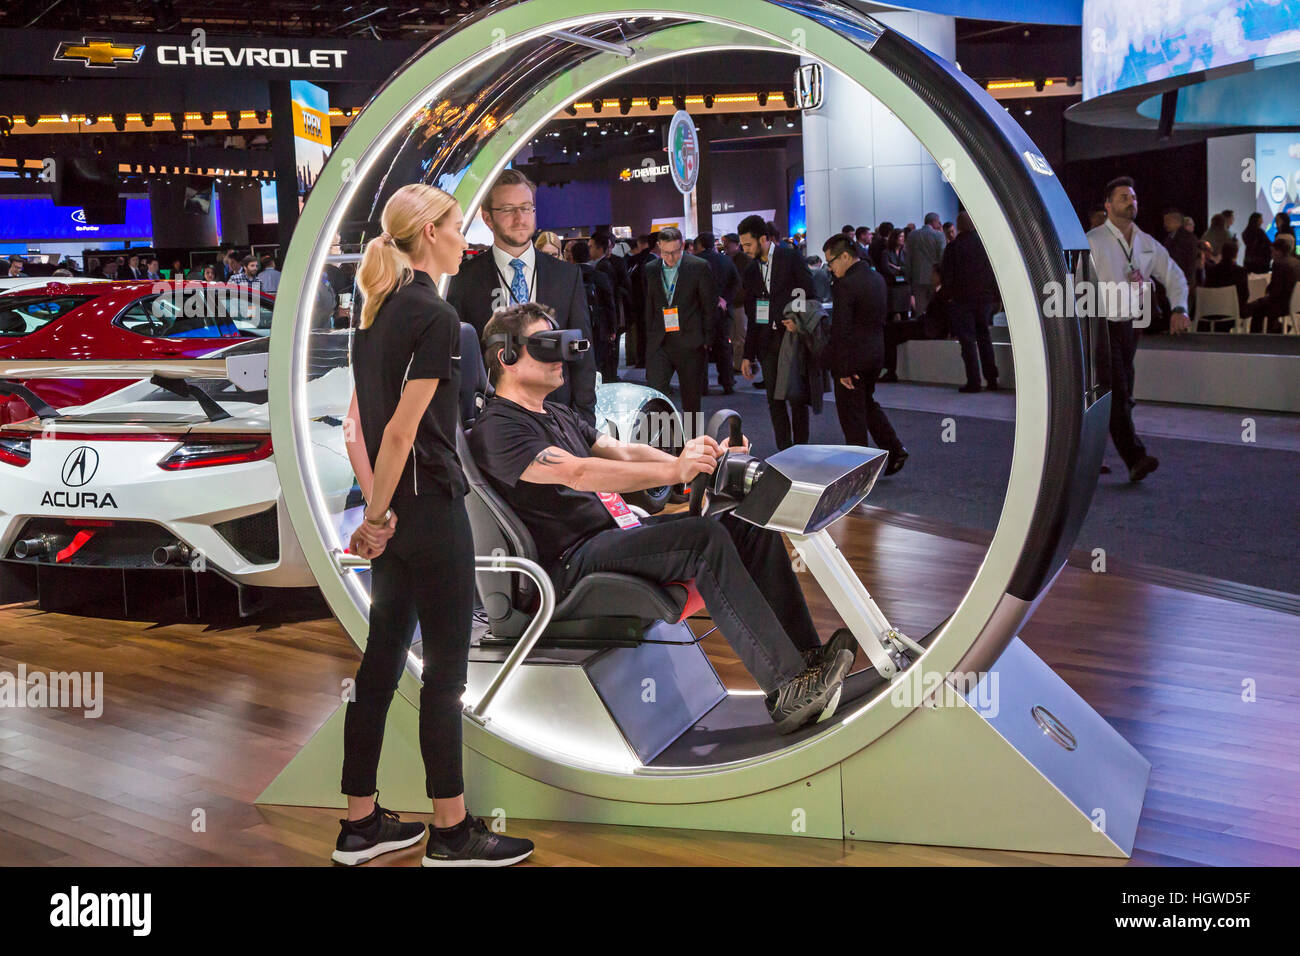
(481, 91)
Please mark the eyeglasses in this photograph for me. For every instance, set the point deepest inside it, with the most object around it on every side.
(524, 209)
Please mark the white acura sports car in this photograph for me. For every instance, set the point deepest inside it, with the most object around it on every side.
(175, 474)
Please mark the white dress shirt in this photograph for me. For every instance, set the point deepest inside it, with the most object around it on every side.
(1113, 259)
(506, 272)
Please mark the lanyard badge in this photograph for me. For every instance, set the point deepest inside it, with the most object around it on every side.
(623, 516)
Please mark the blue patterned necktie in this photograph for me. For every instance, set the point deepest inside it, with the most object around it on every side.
(518, 287)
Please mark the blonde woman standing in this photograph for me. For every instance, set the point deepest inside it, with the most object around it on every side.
(415, 531)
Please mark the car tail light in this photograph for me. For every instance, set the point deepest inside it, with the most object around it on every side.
(15, 448)
(212, 450)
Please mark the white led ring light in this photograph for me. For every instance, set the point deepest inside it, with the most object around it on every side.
(1024, 218)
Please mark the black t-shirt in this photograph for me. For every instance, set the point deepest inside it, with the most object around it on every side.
(416, 334)
(504, 442)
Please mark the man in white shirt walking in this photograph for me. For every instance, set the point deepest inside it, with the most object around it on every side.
(1126, 258)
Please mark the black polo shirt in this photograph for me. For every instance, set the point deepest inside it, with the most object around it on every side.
(416, 334)
(504, 442)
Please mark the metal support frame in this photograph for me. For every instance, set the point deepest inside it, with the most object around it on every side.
(883, 642)
(532, 634)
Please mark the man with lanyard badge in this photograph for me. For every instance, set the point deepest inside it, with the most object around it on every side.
(1126, 258)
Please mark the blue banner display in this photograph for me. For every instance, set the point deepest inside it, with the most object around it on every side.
(35, 218)
(798, 209)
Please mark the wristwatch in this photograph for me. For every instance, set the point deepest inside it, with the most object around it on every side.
(381, 522)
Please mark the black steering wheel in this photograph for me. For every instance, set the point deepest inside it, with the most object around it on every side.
(700, 483)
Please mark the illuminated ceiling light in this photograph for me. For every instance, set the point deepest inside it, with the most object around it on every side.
(64, 117)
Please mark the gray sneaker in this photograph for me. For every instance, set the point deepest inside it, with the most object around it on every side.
(841, 640)
(813, 695)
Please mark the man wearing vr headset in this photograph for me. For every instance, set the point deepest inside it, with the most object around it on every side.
(564, 480)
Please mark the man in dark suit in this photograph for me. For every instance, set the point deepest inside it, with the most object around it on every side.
(727, 281)
(512, 272)
(642, 256)
(1276, 301)
(1184, 250)
(681, 301)
(971, 292)
(857, 349)
(614, 268)
(775, 278)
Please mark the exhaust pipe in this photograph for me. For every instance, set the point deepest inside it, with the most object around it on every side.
(41, 546)
(171, 554)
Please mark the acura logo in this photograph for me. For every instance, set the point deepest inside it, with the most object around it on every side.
(80, 466)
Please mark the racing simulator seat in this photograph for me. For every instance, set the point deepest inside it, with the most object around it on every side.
(618, 641)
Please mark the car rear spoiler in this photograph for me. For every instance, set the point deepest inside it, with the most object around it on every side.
(247, 371)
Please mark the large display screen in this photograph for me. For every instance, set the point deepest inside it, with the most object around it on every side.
(37, 218)
(1127, 43)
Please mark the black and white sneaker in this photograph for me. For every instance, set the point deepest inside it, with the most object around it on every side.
(813, 695)
(841, 640)
(382, 832)
(480, 848)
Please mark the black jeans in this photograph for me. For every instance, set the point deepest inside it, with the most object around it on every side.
(425, 574)
(861, 416)
(691, 366)
(971, 322)
(1115, 371)
(743, 572)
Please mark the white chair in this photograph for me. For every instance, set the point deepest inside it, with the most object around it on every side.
(1291, 322)
(1218, 304)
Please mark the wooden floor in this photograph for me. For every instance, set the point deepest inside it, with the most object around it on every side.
(201, 718)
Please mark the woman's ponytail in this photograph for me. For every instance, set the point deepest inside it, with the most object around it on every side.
(386, 263)
(384, 269)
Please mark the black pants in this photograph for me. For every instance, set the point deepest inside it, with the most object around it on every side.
(971, 322)
(1261, 320)
(636, 339)
(861, 416)
(898, 331)
(1115, 371)
(606, 348)
(425, 574)
(790, 420)
(743, 573)
(690, 364)
(720, 351)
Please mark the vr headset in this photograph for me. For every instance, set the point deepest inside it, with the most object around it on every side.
(554, 345)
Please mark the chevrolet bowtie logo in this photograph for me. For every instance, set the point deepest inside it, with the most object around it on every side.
(98, 52)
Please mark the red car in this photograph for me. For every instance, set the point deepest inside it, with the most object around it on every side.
(121, 320)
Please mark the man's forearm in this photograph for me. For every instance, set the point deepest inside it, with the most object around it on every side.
(603, 474)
